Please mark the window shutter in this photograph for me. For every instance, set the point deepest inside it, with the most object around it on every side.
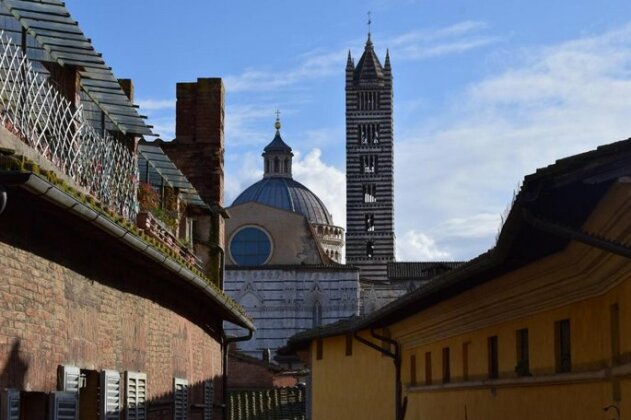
(136, 393)
(180, 399)
(69, 378)
(209, 398)
(110, 395)
(10, 404)
(64, 405)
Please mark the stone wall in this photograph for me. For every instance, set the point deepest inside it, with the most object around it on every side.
(282, 301)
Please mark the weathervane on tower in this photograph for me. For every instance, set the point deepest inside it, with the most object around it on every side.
(369, 22)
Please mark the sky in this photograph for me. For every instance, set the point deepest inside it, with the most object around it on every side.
(485, 93)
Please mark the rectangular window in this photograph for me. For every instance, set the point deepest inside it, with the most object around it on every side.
(136, 395)
(446, 367)
(209, 398)
(493, 357)
(614, 318)
(465, 360)
(523, 357)
(428, 368)
(319, 349)
(369, 193)
(349, 344)
(413, 369)
(370, 222)
(369, 164)
(563, 351)
(10, 404)
(180, 399)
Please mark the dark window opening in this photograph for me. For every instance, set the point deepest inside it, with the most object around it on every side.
(428, 368)
(493, 357)
(523, 358)
(446, 367)
(317, 314)
(370, 249)
(562, 346)
(369, 220)
(413, 370)
(369, 193)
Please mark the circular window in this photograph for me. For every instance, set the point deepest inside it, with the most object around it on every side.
(250, 246)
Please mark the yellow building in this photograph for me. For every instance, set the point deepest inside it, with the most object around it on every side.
(539, 327)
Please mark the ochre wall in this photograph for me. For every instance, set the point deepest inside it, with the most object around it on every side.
(293, 241)
(360, 386)
(51, 315)
(581, 284)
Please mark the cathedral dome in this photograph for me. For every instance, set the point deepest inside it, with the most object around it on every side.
(287, 194)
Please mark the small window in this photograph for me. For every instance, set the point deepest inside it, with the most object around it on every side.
(349, 344)
(523, 359)
(428, 368)
(209, 398)
(369, 193)
(369, 220)
(563, 351)
(136, 395)
(413, 370)
(465, 360)
(319, 349)
(370, 249)
(493, 357)
(446, 366)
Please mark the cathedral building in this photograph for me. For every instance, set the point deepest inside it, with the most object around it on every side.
(282, 256)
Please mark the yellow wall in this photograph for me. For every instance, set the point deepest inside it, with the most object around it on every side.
(360, 386)
(580, 283)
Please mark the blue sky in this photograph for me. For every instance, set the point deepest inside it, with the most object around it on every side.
(485, 93)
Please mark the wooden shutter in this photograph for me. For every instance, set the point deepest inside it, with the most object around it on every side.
(180, 399)
(64, 405)
(110, 404)
(209, 399)
(10, 404)
(69, 378)
(136, 393)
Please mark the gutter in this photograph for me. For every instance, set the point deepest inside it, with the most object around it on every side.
(226, 341)
(42, 188)
(400, 403)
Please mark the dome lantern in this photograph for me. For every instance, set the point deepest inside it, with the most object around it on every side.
(277, 156)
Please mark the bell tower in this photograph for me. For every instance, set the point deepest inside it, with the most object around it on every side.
(370, 236)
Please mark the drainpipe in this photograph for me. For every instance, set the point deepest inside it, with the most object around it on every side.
(226, 341)
(400, 405)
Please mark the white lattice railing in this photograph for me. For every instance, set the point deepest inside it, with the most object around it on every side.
(37, 112)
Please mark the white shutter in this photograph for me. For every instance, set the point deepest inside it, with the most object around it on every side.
(69, 378)
(64, 405)
(136, 393)
(10, 404)
(180, 399)
(110, 395)
(209, 398)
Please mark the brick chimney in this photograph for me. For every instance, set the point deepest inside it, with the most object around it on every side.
(198, 151)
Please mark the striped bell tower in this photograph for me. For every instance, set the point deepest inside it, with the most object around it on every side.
(369, 165)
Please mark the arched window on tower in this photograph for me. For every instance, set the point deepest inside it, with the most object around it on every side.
(317, 314)
(370, 249)
(266, 166)
(286, 169)
(276, 165)
(370, 222)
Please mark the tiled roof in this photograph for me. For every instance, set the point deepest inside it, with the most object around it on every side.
(368, 68)
(421, 270)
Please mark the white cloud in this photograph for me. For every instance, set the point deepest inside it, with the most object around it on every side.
(459, 168)
(326, 181)
(418, 246)
(156, 104)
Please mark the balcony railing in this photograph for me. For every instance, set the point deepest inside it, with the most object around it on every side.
(35, 111)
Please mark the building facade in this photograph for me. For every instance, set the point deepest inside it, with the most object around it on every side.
(370, 238)
(532, 329)
(106, 313)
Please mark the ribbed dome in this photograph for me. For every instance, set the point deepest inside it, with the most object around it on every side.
(286, 194)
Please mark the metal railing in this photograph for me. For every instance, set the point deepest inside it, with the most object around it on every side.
(33, 109)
